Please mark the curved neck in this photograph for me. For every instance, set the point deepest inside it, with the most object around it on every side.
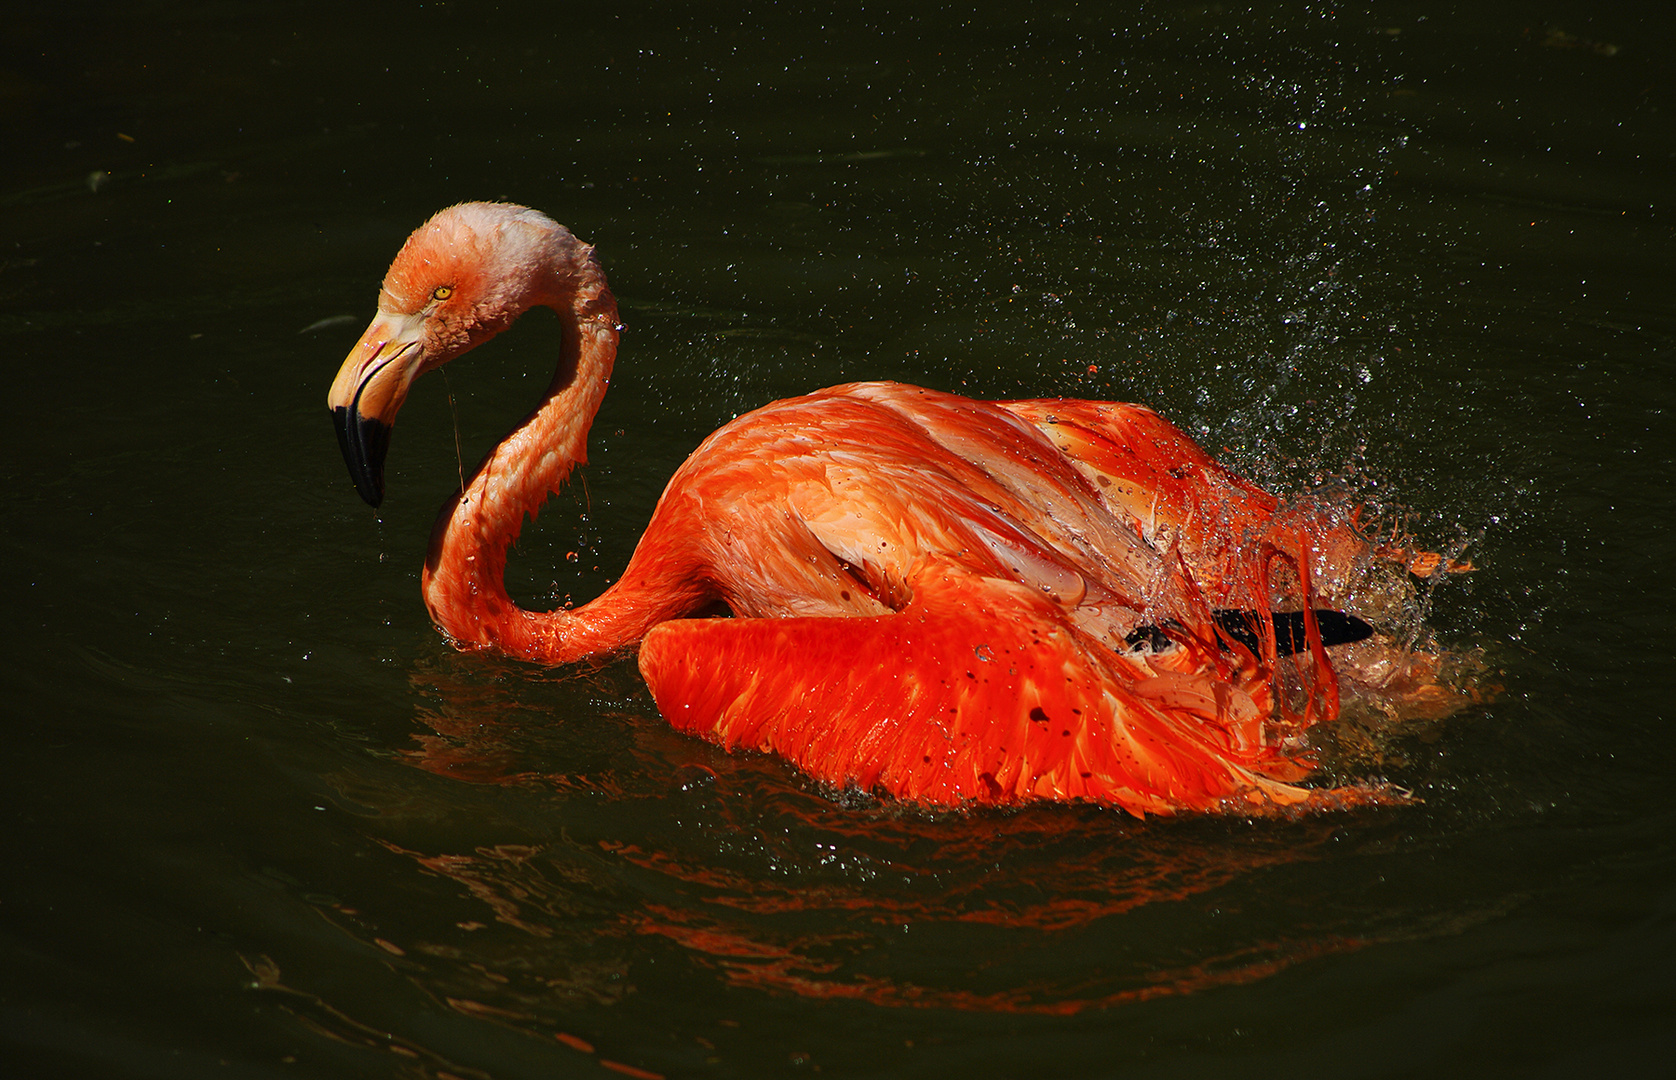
(464, 582)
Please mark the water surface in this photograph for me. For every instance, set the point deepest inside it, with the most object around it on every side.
(262, 821)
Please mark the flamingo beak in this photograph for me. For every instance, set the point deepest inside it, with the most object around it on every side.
(368, 392)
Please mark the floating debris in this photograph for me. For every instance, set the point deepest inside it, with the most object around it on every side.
(1559, 39)
(328, 323)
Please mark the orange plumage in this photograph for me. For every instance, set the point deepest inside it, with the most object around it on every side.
(946, 600)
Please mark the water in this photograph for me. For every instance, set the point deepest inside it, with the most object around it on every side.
(260, 821)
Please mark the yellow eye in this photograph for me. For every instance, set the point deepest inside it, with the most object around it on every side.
(442, 292)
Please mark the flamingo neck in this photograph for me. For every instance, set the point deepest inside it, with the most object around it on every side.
(464, 579)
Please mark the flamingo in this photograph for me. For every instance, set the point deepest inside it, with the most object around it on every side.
(946, 601)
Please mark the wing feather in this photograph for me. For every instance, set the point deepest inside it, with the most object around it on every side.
(978, 691)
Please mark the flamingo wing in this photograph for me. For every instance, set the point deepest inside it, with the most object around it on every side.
(1148, 471)
(978, 690)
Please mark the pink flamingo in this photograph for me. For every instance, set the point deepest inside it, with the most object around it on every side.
(946, 600)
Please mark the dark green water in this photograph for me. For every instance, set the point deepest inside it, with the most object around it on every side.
(260, 821)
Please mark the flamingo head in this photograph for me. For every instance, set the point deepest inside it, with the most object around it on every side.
(460, 279)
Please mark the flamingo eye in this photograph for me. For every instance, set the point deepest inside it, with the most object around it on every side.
(442, 292)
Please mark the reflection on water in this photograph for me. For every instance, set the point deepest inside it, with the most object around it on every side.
(776, 885)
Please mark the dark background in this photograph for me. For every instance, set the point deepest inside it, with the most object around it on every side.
(260, 821)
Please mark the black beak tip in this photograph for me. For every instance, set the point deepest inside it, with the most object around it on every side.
(364, 444)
